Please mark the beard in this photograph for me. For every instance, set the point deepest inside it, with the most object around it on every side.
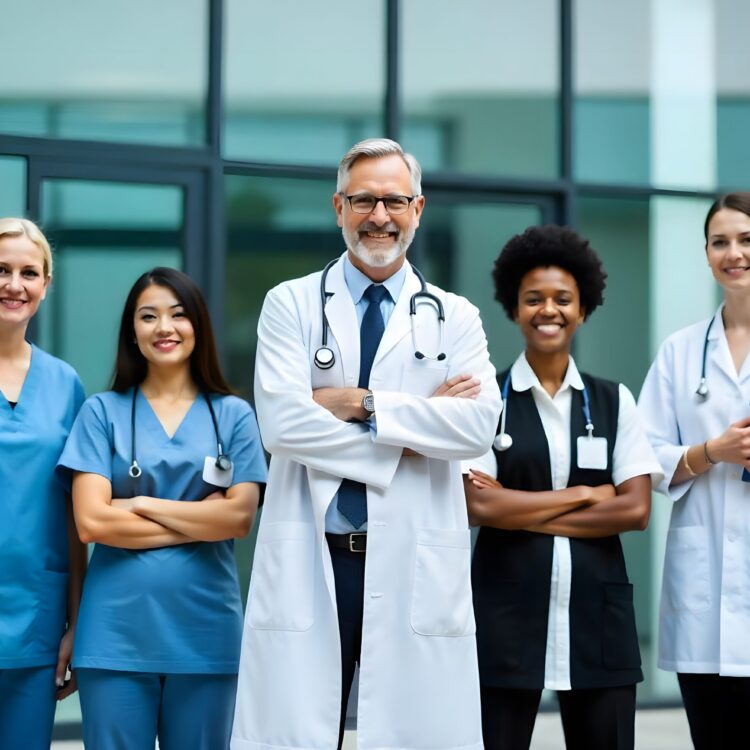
(381, 257)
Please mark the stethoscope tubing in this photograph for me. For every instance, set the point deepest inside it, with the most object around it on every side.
(324, 357)
(503, 441)
(223, 462)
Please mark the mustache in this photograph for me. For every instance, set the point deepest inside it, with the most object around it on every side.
(371, 226)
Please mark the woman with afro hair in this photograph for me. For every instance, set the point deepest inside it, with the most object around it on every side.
(569, 470)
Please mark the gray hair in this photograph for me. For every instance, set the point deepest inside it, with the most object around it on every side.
(375, 148)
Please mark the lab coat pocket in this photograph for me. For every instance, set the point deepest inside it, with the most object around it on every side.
(423, 377)
(441, 593)
(687, 585)
(620, 639)
(283, 578)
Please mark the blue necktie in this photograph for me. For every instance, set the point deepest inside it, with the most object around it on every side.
(352, 502)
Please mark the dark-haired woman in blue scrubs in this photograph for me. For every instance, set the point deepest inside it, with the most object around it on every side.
(167, 466)
(41, 560)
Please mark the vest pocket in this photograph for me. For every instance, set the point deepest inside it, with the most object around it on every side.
(620, 638)
(441, 593)
(283, 580)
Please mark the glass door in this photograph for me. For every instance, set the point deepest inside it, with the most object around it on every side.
(106, 228)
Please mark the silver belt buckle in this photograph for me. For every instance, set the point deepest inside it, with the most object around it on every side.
(351, 540)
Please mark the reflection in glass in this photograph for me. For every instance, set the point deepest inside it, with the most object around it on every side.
(105, 235)
(305, 101)
(132, 71)
(481, 86)
(12, 186)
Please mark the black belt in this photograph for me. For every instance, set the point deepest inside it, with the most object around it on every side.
(354, 542)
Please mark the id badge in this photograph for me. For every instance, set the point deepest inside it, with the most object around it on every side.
(592, 452)
(214, 475)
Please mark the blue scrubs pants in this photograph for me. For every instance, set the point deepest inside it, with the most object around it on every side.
(129, 710)
(27, 708)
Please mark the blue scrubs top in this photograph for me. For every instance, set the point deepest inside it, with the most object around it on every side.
(170, 609)
(34, 554)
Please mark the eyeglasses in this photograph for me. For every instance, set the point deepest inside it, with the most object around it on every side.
(364, 203)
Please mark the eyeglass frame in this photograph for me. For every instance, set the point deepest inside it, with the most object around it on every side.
(409, 198)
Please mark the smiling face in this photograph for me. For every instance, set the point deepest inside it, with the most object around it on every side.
(163, 332)
(378, 240)
(549, 309)
(728, 249)
(23, 284)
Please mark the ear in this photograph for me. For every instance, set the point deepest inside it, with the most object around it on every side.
(338, 207)
(582, 315)
(419, 202)
(515, 315)
(47, 282)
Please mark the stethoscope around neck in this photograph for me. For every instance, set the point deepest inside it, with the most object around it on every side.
(702, 390)
(222, 463)
(325, 358)
(503, 441)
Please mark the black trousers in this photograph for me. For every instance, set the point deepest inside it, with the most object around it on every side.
(349, 577)
(716, 709)
(596, 719)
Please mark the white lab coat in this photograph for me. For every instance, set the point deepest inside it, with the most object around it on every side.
(419, 685)
(705, 607)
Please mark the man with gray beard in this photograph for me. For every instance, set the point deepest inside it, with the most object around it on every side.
(371, 386)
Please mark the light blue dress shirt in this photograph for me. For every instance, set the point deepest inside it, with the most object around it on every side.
(357, 283)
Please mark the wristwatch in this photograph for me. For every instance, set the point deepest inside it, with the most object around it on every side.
(368, 403)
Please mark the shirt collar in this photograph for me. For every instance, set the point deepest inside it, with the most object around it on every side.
(357, 282)
(524, 378)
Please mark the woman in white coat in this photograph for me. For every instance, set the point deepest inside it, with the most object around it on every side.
(694, 403)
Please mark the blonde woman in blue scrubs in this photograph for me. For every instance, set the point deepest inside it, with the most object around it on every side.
(167, 466)
(41, 560)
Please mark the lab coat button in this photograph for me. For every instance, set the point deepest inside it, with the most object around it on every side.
(376, 595)
(732, 537)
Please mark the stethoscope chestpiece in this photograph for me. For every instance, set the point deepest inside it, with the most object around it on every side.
(324, 358)
(702, 390)
(502, 442)
(134, 471)
(223, 462)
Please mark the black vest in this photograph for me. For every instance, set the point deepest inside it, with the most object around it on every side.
(511, 569)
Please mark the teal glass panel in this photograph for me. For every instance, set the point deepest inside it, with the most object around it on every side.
(480, 86)
(301, 85)
(459, 241)
(130, 71)
(12, 186)
(104, 236)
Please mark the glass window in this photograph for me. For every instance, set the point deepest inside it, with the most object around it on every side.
(302, 92)
(12, 186)
(116, 71)
(666, 100)
(481, 86)
(104, 235)
(450, 225)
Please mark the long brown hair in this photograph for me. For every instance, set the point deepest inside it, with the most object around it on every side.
(131, 366)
